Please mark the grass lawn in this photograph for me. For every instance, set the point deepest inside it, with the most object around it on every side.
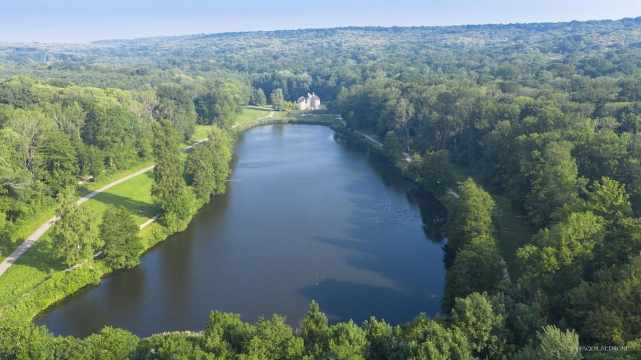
(514, 231)
(27, 227)
(250, 114)
(38, 262)
(200, 133)
(133, 194)
(311, 116)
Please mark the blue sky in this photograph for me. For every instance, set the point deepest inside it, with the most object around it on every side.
(88, 20)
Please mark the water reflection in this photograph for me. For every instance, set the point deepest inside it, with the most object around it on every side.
(307, 215)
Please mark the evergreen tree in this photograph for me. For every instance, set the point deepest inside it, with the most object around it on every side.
(169, 191)
(208, 164)
(119, 232)
(314, 327)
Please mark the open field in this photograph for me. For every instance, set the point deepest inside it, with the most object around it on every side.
(38, 263)
(250, 113)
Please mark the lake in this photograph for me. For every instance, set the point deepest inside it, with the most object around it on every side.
(308, 215)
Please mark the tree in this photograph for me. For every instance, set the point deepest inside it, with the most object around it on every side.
(277, 99)
(475, 318)
(112, 344)
(119, 232)
(608, 199)
(477, 268)
(561, 246)
(111, 127)
(392, 147)
(381, 337)
(346, 341)
(555, 185)
(169, 190)
(552, 344)
(469, 217)
(274, 340)
(557, 258)
(258, 97)
(426, 338)
(59, 161)
(176, 106)
(226, 335)
(26, 341)
(436, 172)
(221, 105)
(403, 113)
(523, 307)
(75, 236)
(208, 164)
(314, 325)
(606, 310)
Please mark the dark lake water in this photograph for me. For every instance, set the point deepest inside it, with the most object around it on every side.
(308, 215)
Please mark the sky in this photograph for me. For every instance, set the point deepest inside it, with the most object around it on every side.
(82, 21)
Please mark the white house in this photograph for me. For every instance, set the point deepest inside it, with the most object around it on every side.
(311, 102)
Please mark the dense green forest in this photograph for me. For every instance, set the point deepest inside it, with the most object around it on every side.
(546, 115)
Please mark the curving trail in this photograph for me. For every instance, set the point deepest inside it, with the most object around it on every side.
(15, 255)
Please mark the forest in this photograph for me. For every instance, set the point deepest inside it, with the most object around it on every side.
(544, 115)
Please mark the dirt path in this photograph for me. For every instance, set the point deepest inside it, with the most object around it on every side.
(407, 156)
(155, 217)
(271, 115)
(15, 255)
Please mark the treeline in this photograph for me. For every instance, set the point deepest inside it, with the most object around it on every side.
(179, 190)
(563, 144)
(480, 326)
(330, 59)
(53, 135)
(546, 114)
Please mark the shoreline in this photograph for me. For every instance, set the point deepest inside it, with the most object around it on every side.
(61, 284)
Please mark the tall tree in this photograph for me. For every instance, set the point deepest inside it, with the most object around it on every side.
(119, 232)
(169, 191)
(221, 105)
(208, 164)
(75, 236)
(258, 97)
(477, 268)
(469, 218)
(175, 104)
(403, 113)
(392, 146)
(555, 185)
(475, 318)
(59, 161)
(277, 99)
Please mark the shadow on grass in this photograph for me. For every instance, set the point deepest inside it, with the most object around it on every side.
(136, 207)
(40, 256)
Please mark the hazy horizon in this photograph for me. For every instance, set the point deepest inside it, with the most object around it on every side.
(75, 21)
